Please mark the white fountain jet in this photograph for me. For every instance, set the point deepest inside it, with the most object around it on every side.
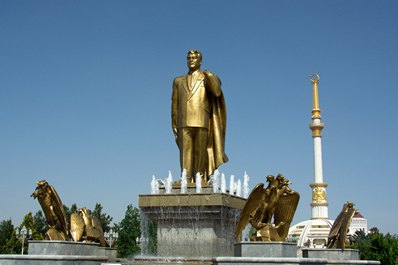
(198, 183)
(232, 185)
(184, 182)
(246, 189)
(168, 183)
(216, 181)
(239, 188)
(154, 185)
(223, 184)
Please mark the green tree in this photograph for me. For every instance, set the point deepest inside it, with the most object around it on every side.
(13, 244)
(376, 246)
(34, 227)
(39, 222)
(69, 211)
(105, 219)
(9, 243)
(129, 233)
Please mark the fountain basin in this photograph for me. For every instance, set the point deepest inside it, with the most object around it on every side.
(193, 225)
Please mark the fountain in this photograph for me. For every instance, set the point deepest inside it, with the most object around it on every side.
(232, 185)
(154, 185)
(184, 181)
(238, 188)
(196, 225)
(198, 183)
(168, 183)
(216, 182)
(246, 188)
(223, 184)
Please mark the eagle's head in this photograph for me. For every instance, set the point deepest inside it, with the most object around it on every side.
(41, 188)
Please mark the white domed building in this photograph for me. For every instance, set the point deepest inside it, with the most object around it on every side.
(310, 233)
(358, 222)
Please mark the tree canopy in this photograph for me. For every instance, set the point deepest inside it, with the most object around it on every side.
(105, 219)
(376, 246)
(9, 243)
(129, 233)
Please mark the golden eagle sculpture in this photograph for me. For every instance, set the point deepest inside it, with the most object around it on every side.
(338, 233)
(76, 226)
(83, 225)
(94, 232)
(53, 210)
(277, 201)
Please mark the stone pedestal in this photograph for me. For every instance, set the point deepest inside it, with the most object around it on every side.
(331, 254)
(265, 249)
(45, 252)
(53, 247)
(283, 253)
(193, 225)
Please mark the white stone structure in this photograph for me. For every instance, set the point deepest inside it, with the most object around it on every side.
(314, 232)
(358, 223)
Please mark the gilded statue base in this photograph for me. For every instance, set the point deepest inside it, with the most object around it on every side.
(192, 225)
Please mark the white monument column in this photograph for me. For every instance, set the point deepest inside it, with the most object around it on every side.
(319, 204)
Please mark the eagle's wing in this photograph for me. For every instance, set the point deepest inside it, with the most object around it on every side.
(76, 226)
(338, 232)
(96, 223)
(58, 209)
(253, 202)
(284, 212)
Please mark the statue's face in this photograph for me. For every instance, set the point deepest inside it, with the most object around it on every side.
(193, 61)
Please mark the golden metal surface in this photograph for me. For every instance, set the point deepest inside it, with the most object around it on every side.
(193, 199)
(53, 210)
(338, 233)
(94, 232)
(198, 115)
(277, 201)
(76, 227)
(318, 194)
(316, 129)
(83, 226)
(316, 112)
(317, 184)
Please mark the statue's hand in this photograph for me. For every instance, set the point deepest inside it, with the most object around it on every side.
(207, 73)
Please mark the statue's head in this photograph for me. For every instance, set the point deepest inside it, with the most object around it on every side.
(194, 60)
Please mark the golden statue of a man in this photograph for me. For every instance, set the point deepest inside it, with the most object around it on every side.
(198, 116)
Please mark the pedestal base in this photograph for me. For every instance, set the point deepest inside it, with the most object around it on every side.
(331, 254)
(43, 252)
(265, 249)
(193, 225)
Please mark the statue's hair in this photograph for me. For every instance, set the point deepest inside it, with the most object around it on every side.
(195, 52)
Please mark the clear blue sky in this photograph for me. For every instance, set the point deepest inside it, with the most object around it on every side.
(85, 89)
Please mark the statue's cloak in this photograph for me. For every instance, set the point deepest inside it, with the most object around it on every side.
(217, 131)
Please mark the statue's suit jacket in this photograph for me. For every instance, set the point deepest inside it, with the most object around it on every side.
(191, 105)
(202, 106)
